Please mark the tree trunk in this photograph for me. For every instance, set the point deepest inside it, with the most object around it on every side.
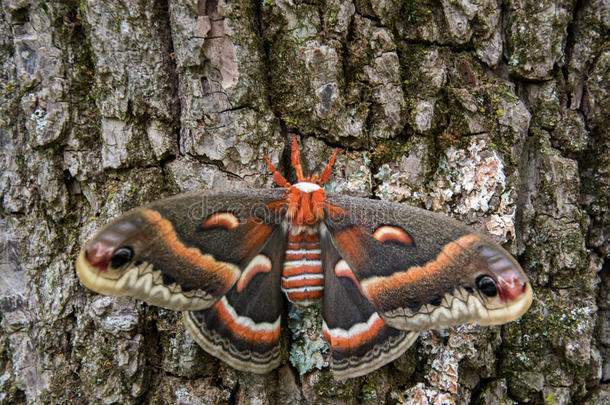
(495, 112)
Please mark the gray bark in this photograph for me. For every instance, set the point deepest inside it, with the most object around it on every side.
(495, 112)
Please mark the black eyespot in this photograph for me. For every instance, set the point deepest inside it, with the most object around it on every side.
(487, 285)
(167, 279)
(436, 300)
(121, 257)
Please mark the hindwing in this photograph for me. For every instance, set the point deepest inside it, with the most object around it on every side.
(359, 338)
(243, 327)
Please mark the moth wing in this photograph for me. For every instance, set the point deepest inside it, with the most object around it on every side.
(243, 327)
(183, 252)
(360, 340)
(422, 270)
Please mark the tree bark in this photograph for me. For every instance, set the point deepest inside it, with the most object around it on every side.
(494, 112)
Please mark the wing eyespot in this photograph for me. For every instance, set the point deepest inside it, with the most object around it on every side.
(487, 285)
(224, 220)
(121, 257)
(390, 233)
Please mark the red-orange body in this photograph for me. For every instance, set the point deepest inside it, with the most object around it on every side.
(302, 277)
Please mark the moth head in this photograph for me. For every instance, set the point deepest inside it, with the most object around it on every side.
(305, 184)
(306, 198)
(497, 281)
(110, 254)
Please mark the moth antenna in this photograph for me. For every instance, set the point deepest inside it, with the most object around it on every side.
(296, 159)
(277, 177)
(328, 169)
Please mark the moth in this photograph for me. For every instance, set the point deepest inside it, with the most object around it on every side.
(381, 271)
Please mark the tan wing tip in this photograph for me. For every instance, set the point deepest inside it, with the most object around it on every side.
(510, 312)
(93, 279)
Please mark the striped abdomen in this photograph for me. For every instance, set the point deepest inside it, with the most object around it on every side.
(302, 278)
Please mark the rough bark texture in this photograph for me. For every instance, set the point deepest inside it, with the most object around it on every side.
(494, 111)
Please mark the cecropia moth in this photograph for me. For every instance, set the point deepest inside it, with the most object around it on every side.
(381, 271)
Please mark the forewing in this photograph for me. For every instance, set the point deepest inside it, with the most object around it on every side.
(184, 252)
(422, 270)
(360, 340)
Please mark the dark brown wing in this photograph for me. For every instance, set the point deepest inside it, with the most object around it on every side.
(360, 340)
(422, 270)
(243, 327)
(219, 255)
(183, 252)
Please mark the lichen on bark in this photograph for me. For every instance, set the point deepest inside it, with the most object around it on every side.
(494, 112)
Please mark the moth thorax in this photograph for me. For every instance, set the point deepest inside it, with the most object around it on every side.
(297, 231)
(302, 278)
(307, 187)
